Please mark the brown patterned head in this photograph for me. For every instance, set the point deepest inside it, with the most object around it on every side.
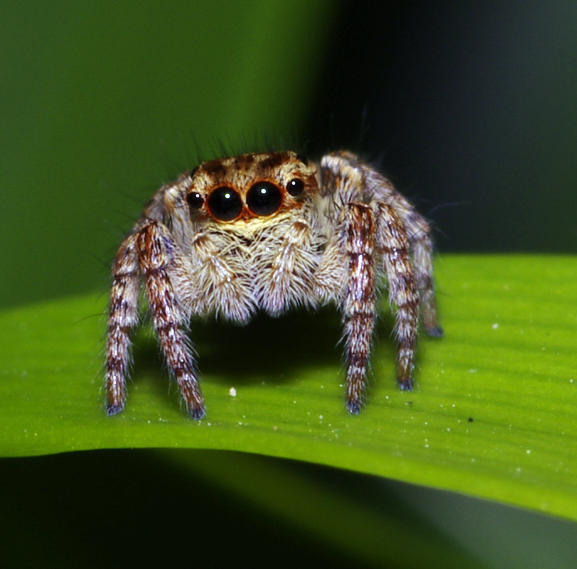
(251, 186)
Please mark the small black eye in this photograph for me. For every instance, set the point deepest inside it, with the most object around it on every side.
(295, 187)
(195, 200)
(225, 203)
(263, 198)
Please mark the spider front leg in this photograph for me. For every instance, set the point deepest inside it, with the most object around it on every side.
(156, 259)
(123, 316)
(359, 300)
(367, 232)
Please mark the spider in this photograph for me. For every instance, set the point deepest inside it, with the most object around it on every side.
(269, 231)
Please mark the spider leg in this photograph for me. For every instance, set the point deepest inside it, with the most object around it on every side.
(420, 244)
(358, 304)
(123, 316)
(156, 249)
(422, 253)
(393, 241)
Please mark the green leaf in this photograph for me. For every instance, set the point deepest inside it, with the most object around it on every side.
(493, 414)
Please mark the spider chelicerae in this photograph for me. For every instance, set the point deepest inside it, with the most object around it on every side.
(266, 232)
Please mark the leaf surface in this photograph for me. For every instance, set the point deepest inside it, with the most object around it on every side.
(493, 413)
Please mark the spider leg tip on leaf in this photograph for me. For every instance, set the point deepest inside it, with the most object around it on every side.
(435, 332)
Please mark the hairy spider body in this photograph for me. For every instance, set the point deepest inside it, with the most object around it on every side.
(266, 232)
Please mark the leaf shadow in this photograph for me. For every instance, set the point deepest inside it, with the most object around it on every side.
(272, 349)
(278, 348)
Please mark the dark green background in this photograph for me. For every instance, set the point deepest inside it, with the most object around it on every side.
(103, 102)
(469, 107)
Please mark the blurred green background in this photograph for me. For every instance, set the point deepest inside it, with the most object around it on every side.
(468, 107)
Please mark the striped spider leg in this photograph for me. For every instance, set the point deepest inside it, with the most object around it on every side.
(377, 244)
(148, 254)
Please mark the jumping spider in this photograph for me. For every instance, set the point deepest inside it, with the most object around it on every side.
(268, 232)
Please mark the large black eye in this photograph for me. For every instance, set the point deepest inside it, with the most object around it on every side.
(263, 198)
(295, 187)
(224, 203)
(195, 200)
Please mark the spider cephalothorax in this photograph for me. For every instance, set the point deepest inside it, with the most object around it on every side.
(268, 232)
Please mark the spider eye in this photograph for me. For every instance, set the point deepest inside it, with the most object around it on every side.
(224, 203)
(263, 198)
(295, 187)
(195, 200)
